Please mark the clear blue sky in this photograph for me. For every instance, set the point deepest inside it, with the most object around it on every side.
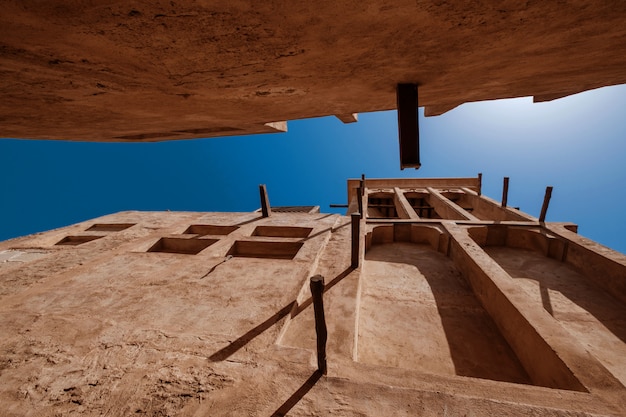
(576, 144)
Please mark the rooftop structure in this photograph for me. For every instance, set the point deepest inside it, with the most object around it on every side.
(437, 300)
(160, 70)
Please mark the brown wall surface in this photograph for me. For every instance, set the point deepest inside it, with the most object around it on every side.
(157, 70)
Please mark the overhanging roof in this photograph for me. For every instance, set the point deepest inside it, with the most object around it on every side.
(157, 70)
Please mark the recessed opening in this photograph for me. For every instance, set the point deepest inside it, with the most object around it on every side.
(381, 206)
(110, 227)
(272, 250)
(209, 229)
(282, 231)
(295, 209)
(76, 240)
(181, 245)
(419, 202)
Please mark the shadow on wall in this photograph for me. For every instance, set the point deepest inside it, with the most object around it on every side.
(293, 307)
(533, 255)
(476, 347)
(298, 395)
(554, 276)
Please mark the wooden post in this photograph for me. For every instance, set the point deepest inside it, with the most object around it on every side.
(359, 195)
(265, 201)
(544, 207)
(505, 191)
(356, 237)
(480, 183)
(317, 292)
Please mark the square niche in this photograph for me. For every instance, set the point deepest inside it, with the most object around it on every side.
(76, 240)
(181, 245)
(209, 229)
(270, 250)
(282, 231)
(110, 227)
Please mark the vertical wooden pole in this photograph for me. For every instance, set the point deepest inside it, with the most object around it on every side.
(544, 207)
(505, 191)
(356, 237)
(265, 201)
(480, 183)
(317, 292)
(359, 194)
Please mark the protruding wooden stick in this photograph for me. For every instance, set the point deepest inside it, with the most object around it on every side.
(408, 128)
(317, 292)
(359, 196)
(544, 207)
(356, 235)
(480, 183)
(505, 191)
(265, 201)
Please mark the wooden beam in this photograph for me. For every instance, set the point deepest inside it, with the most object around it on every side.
(505, 191)
(359, 201)
(317, 293)
(265, 201)
(546, 202)
(356, 238)
(408, 128)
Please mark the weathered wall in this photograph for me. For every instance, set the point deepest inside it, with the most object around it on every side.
(439, 317)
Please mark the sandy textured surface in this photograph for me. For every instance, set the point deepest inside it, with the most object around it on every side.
(120, 325)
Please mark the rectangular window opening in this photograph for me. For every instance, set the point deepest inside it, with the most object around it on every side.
(181, 245)
(110, 227)
(381, 206)
(271, 250)
(76, 240)
(419, 202)
(282, 231)
(210, 229)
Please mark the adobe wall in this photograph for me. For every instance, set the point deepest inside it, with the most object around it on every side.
(431, 321)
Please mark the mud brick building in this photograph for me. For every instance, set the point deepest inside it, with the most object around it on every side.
(437, 300)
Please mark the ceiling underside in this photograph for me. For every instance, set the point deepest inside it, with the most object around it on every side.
(158, 70)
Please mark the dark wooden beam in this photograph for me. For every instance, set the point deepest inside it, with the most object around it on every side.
(408, 128)
(505, 191)
(544, 207)
(359, 195)
(356, 237)
(317, 292)
(265, 201)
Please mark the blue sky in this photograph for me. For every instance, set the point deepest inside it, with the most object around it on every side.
(576, 144)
